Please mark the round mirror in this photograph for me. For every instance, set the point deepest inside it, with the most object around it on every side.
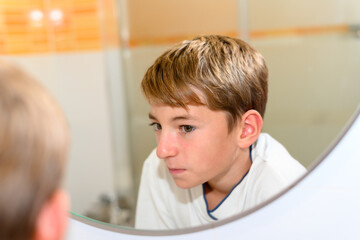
(92, 56)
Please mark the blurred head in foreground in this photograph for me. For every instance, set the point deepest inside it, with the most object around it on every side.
(34, 143)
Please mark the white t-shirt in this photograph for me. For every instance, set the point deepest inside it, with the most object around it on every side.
(163, 205)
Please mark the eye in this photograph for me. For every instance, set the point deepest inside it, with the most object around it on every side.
(156, 126)
(187, 128)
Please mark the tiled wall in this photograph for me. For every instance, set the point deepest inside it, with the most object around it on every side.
(40, 26)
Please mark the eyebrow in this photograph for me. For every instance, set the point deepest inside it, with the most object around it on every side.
(152, 116)
(181, 117)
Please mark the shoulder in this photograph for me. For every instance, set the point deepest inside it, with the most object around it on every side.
(155, 168)
(273, 164)
(162, 201)
(155, 174)
(268, 151)
(152, 160)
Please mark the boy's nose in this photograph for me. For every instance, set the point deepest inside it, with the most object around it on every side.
(166, 147)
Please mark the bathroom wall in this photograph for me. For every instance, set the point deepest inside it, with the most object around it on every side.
(312, 58)
(158, 21)
(73, 48)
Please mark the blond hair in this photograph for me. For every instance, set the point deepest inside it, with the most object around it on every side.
(33, 151)
(229, 73)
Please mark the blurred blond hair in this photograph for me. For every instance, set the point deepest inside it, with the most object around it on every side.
(33, 151)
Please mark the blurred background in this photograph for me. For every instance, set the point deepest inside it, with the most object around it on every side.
(92, 54)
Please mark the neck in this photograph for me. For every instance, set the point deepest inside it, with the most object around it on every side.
(217, 189)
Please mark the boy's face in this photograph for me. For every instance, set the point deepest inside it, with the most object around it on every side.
(195, 144)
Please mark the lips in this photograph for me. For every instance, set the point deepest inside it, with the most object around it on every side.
(175, 171)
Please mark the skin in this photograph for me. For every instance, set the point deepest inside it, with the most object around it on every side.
(198, 149)
(52, 220)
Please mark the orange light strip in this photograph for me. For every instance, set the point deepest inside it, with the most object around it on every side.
(289, 32)
(301, 31)
(169, 40)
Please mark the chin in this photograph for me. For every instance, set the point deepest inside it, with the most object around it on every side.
(185, 185)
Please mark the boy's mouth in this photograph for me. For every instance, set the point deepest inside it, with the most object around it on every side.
(175, 171)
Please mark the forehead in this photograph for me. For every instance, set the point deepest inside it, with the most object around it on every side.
(200, 113)
(185, 97)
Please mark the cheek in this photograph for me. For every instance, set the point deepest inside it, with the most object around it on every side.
(208, 145)
(220, 146)
(216, 139)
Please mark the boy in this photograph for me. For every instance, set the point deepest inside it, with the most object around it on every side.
(207, 101)
(33, 151)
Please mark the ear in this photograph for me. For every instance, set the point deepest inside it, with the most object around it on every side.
(52, 220)
(250, 128)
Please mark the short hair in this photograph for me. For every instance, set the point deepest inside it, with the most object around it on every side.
(33, 150)
(230, 74)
